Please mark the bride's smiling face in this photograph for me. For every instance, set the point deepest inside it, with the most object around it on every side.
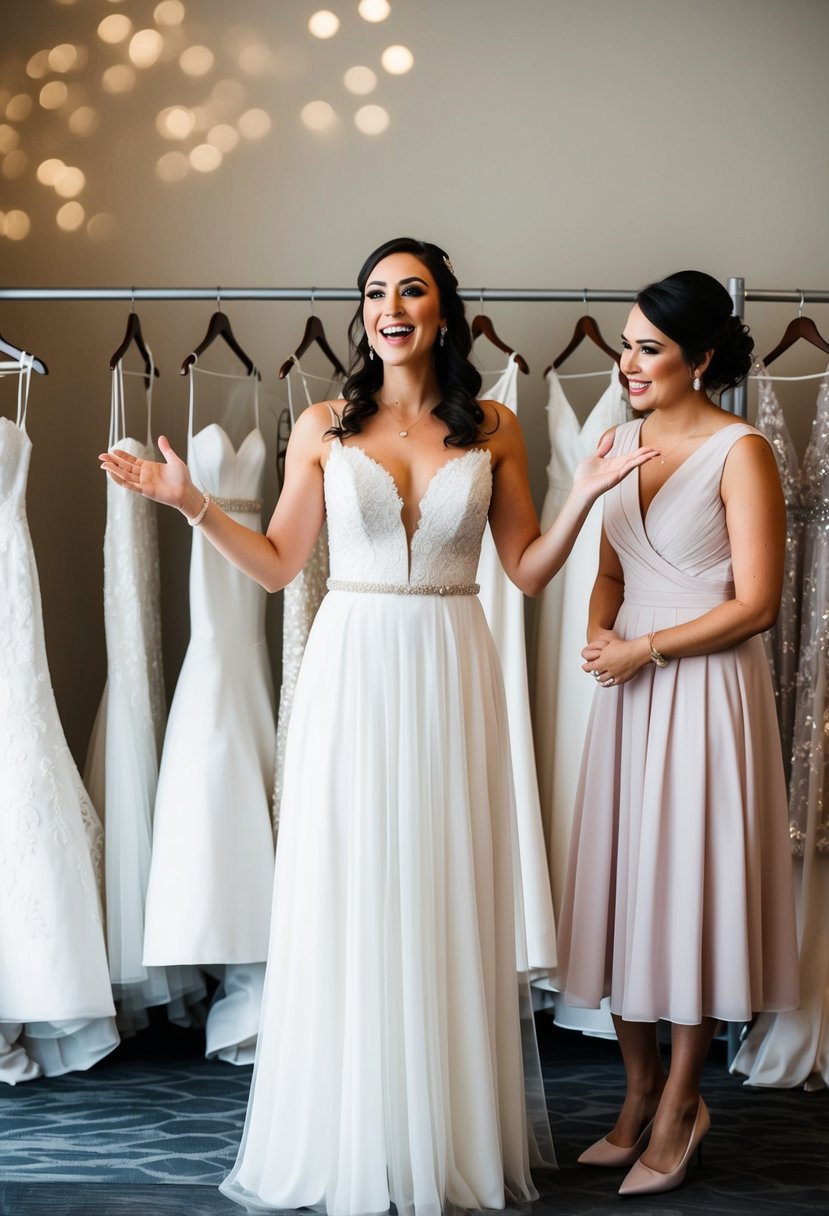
(401, 309)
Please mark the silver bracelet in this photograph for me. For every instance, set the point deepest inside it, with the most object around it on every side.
(196, 520)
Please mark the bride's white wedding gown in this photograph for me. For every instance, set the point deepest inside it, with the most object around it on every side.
(389, 1067)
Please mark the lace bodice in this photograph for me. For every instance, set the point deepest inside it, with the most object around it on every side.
(367, 539)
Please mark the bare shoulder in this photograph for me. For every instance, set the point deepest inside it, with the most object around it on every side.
(500, 428)
(749, 459)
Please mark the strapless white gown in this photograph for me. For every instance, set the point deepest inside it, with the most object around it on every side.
(389, 1067)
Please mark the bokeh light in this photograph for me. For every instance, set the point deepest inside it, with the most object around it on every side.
(169, 13)
(19, 107)
(102, 227)
(176, 122)
(63, 58)
(15, 164)
(372, 120)
(360, 80)
(118, 79)
(70, 217)
(223, 136)
(9, 138)
(254, 124)
(205, 158)
(83, 121)
(53, 95)
(145, 48)
(172, 166)
(318, 115)
(196, 60)
(228, 96)
(397, 60)
(69, 182)
(38, 65)
(115, 28)
(48, 170)
(374, 10)
(324, 23)
(256, 59)
(17, 225)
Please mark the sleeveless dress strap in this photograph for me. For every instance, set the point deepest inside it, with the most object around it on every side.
(23, 383)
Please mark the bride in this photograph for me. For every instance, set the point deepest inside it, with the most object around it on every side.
(390, 1065)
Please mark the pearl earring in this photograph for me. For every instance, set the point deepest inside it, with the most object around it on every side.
(443, 332)
(697, 384)
(370, 351)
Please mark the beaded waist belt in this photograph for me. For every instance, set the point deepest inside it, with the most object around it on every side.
(240, 505)
(336, 584)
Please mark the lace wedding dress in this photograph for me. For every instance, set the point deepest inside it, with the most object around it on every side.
(390, 1067)
(56, 1008)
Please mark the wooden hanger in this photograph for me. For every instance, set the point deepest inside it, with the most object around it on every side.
(314, 332)
(16, 352)
(134, 335)
(219, 327)
(482, 327)
(798, 327)
(586, 327)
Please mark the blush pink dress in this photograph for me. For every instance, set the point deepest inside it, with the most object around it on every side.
(679, 900)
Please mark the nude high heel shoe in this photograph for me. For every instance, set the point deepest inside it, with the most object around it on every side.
(614, 1156)
(642, 1180)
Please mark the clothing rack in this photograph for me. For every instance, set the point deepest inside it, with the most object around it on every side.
(734, 400)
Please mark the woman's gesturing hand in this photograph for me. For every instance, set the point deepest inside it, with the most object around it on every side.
(600, 472)
(167, 482)
(614, 660)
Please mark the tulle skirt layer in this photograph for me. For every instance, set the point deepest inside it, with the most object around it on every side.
(391, 1064)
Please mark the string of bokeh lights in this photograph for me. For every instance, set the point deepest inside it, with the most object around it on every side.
(57, 86)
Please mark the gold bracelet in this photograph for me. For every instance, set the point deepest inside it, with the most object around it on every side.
(657, 657)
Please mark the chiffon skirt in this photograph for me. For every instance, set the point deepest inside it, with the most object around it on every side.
(679, 900)
(392, 1055)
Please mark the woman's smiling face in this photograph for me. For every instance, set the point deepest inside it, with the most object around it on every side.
(401, 309)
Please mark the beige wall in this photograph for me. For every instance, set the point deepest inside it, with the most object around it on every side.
(543, 143)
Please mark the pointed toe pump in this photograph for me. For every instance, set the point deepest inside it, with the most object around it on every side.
(614, 1156)
(642, 1180)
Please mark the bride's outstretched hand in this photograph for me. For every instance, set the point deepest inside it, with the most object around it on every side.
(166, 482)
(601, 472)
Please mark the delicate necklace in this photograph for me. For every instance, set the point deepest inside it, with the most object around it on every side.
(404, 433)
(664, 455)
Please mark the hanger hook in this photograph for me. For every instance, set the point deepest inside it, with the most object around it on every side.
(313, 310)
(800, 309)
(585, 301)
(132, 299)
(218, 299)
(482, 300)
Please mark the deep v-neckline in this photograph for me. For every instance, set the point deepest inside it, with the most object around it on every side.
(644, 514)
(392, 484)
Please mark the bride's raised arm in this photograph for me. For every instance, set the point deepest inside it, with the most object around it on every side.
(272, 559)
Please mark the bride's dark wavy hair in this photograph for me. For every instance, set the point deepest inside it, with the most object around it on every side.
(459, 380)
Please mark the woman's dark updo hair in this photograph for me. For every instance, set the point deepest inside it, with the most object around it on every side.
(459, 381)
(694, 310)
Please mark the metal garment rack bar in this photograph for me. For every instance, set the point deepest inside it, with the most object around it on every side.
(311, 294)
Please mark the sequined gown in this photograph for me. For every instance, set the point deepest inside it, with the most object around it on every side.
(56, 1008)
(390, 1066)
(788, 1049)
(678, 902)
(781, 641)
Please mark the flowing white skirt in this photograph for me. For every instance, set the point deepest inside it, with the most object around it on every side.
(390, 1066)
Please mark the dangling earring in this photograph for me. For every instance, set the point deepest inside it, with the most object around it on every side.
(370, 351)
(697, 384)
(443, 332)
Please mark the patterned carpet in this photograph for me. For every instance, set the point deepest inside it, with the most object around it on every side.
(153, 1129)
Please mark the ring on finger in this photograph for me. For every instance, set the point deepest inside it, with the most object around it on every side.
(595, 675)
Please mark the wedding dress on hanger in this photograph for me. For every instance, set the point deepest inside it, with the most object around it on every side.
(56, 1008)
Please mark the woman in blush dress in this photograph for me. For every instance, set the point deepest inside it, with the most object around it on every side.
(392, 1063)
(678, 903)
